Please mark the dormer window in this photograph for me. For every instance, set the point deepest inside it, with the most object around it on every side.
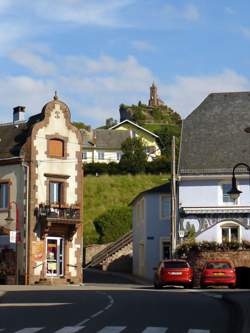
(56, 148)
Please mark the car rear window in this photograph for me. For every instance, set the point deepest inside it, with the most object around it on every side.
(218, 265)
(175, 264)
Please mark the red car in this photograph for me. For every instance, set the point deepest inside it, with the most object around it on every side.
(218, 272)
(173, 272)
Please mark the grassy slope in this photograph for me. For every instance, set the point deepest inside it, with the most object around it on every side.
(104, 192)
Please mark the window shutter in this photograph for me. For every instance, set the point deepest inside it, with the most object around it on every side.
(56, 148)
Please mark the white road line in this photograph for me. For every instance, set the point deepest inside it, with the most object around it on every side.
(10, 305)
(112, 329)
(97, 314)
(155, 330)
(70, 329)
(191, 330)
(83, 322)
(30, 330)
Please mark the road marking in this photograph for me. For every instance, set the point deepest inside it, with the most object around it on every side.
(30, 330)
(70, 329)
(213, 295)
(97, 314)
(5, 305)
(112, 329)
(191, 330)
(83, 322)
(155, 330)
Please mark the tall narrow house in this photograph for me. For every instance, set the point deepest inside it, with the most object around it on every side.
(41, 197)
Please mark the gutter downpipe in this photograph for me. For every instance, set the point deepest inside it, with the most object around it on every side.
(25, 165)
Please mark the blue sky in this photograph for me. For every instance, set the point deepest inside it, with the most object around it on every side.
(100, 53)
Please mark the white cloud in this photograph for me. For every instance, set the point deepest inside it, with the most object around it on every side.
(88, 12)
(245, 31)
(186, 93)
(32, 61)
(189, 13)
(23, 90)
(229, 10)
(142, 45)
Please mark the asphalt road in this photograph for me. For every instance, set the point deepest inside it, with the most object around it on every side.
(120, 307)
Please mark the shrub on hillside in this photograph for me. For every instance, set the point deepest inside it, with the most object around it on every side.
(160, 165)
(113, 224)
(134, 157)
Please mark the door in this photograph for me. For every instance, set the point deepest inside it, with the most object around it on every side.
(55, 256)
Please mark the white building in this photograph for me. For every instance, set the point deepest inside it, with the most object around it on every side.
(215, 137)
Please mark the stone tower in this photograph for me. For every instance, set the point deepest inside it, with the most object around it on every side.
(153, 99)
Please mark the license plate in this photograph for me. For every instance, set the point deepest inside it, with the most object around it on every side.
(175, 273)
(219, 274)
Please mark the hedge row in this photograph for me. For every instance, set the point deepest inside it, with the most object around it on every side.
(161, 165)
(192, 246)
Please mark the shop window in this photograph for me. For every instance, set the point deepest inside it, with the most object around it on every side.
(56, 148)
(4, 195)
(56, 193)
(230, 234)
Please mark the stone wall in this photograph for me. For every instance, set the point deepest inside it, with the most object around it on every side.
(240, 259)
(92, 250)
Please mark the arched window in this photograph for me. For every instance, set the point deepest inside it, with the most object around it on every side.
(56, 148)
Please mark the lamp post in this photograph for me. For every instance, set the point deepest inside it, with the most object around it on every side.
(235, 192)
(10, 219)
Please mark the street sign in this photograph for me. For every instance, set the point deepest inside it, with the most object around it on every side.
(13, 236)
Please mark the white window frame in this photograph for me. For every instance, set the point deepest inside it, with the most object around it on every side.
(84, 155)
(221, 195)
(230, 225)
(101, 155)
(161, 206)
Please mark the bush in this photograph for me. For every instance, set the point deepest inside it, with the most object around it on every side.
(160, 165)
(192, 246)
(113, 224)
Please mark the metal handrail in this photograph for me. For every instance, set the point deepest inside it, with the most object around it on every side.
(111, 249)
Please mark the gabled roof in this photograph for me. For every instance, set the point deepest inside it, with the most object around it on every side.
(164, 188)
(216, 135)
(133, 124)
(104, 139)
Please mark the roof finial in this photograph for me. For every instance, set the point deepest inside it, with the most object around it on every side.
(55, 97)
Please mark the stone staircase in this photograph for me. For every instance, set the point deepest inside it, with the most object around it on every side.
(116, 257)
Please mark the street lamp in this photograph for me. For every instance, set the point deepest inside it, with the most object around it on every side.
(235, 192)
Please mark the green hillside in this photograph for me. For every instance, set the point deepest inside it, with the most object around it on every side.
(104, 192)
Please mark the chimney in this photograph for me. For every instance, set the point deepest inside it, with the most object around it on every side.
(18, 114)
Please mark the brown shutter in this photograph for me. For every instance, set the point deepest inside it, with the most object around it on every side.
(56, 148)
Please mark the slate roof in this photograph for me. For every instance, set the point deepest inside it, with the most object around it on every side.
(14, 135)
(12, 139)
(216, 135)
(164, 188)
(105, 138)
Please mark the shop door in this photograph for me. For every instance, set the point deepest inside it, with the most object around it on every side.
(55, 256)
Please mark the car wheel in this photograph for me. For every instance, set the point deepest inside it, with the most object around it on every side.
(231, 286)
(157, 285)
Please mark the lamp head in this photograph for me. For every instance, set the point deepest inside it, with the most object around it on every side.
(234, 192)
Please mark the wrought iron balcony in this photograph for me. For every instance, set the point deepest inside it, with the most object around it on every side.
(55, 212)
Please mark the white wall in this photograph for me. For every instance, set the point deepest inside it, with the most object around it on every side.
(205, 193)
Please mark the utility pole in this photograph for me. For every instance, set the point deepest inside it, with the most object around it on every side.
(173, 200)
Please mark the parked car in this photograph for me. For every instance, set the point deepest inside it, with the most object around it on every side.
(173, 272)
(218, 272)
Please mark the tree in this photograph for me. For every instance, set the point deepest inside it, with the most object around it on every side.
(81, 125)
(113, 224)
(134, 157)
(166, 134)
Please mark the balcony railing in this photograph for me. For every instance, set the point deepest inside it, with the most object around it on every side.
(53, 212)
